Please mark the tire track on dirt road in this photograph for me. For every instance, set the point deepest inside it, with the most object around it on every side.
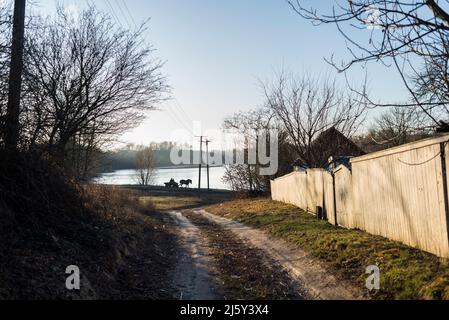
(246, 272)
(193, 277)
(320, 283)
(214, 264)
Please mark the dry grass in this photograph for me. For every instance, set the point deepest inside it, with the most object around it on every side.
(116, 204)
(165, 203)
(180, 202)
(407, 273)
(108, 233)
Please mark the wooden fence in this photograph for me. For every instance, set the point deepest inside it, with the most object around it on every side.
(400, 193)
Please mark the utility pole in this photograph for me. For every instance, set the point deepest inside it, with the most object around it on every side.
(207, 163)
(15, 76)
(200, 165)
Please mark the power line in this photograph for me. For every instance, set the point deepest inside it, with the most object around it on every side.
(174, 116)
(181, 109)
(122, 13)
(143, 42)
(89, 4)
(183, 115)
(180, 116)
(179, 120)
(129, 13)
(108, 4)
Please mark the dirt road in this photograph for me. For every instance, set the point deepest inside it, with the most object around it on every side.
(194, 272)
(223, 259)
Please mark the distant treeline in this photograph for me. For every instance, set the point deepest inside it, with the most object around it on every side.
(125, 159)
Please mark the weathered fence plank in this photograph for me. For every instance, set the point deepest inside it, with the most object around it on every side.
(344, 198)
(398, 193)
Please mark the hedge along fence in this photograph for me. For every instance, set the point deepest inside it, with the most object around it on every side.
(401, 194)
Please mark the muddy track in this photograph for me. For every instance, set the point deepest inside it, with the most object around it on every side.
(244, 271)
(194, 274)
(319, 281)
(215, 264)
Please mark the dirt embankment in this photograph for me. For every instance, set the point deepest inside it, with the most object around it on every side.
(124, 249)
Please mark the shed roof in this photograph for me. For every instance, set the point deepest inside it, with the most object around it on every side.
(332, 143)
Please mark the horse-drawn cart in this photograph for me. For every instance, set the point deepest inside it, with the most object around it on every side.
(172, 184)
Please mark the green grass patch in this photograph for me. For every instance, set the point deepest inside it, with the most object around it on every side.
(406, 273)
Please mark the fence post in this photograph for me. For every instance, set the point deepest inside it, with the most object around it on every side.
(335, 197)
(445, 183)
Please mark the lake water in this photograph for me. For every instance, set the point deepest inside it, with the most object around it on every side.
(128, 177)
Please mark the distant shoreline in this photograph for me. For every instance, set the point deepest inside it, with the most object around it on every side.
(165, 168)
(167, 190)
(185, 167)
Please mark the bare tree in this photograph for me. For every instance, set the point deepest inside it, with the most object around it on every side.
(431, 86)
(394, 127)
(250, 126)
(403, 34)
(307, 106)
(145, 166)
(87, 78)
(397, 127)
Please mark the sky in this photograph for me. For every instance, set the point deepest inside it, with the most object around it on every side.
(217, 52)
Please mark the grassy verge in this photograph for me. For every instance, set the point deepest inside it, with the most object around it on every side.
(164, 203)
(406, 273)
(181, 202)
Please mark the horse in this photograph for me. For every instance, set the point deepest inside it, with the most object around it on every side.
(186, 183)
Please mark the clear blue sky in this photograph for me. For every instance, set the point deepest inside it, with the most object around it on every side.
(217, 50)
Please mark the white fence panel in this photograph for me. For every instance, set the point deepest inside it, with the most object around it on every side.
(398, 193)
